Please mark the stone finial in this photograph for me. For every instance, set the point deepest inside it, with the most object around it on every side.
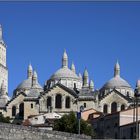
(0, 32)
(85, 78)
(91, 85)
(34, 78)
(65, 60)
(29, 71)
(73, 67)
(117, 69)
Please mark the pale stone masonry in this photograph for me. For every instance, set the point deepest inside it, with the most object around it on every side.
(3, 65)
(18, 132)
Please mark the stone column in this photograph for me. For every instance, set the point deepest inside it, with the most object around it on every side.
(109, 108)
(118, 106)
(53, 102)
(63, 101)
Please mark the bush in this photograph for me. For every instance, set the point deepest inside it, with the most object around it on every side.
(69, 123)
(4, 119)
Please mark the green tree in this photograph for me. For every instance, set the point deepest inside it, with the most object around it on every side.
(69, 123)
(4, 119)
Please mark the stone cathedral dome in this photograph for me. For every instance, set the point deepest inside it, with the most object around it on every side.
(30, 82)
(118, 83)
(64, 73)
(65, 76)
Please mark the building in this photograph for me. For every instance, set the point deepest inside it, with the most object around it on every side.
(116, 125)
(63, 92)
(3, 74)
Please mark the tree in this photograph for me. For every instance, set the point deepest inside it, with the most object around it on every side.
(4, 119)
(69, 123)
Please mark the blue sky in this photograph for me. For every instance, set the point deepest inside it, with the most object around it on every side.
(95, 35)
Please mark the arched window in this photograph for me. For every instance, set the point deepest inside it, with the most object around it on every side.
(21, 110)
(113, 107)
(49, 102)
(13, 111)
(67, 103)
(122, 107)
(105, 109)
(58, 101)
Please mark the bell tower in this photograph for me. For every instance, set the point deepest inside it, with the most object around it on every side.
(3, 65)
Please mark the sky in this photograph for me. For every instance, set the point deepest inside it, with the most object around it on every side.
(94, 34)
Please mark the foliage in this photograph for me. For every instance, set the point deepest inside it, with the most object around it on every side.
(69, 123)
(4, 119)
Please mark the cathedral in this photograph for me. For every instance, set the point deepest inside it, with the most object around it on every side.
(63, 92)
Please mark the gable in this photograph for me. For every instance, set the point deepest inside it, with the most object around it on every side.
(60, 89)
(114, 96)
(16, 100)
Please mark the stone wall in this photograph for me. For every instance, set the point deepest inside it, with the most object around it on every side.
(18, 132)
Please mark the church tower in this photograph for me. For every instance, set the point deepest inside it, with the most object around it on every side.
(3, 66)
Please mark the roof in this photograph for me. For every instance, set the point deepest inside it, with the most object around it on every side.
(102, 96)
(27, 84)
(116, 82)
(72, 92)
(33, 93)
(64, 73)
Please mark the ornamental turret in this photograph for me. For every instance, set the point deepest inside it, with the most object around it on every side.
(85, 79)
(65, 60)
(138, 86)
(0, 33)
(29, 71)
(34, 79)
(91, 85)
(73, 67)
(117, 69)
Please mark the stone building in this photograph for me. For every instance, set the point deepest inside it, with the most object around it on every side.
(63, 92)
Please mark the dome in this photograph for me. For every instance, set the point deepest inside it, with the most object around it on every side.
(64, 73)
(116, 82)
(27, 84)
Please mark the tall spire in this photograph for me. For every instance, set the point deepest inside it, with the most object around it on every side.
(0, 32)
(85, 78)
(30, 71)
(91, 85)
(34, 79)
(117, 69)
(73, 67)
(65, 60)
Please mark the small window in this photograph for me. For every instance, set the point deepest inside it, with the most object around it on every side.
(128, 93)
(105, 109)
(122, 107)
(85, 105)
(74, 85)
(31, 105)
(13, 111)
(67, 103)
(58, 101)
